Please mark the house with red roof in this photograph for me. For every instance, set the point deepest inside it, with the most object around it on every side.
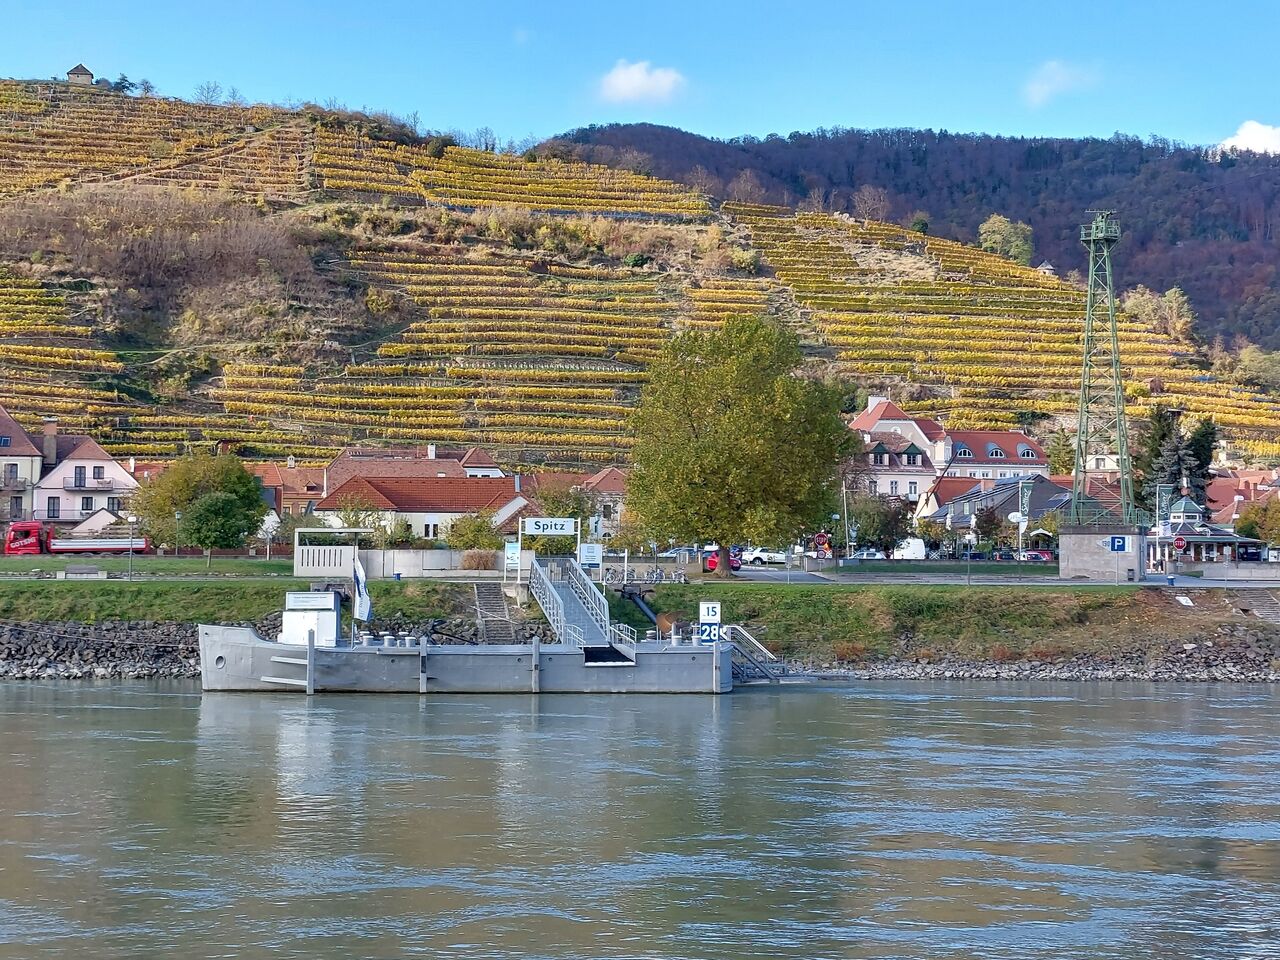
(77, 478)
(906, 454)
(21, 463)
(429, 505)
(430, 461)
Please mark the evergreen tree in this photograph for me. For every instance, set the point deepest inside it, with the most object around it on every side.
(1175, 464)
(1061, 451)
(1201, 443)
(1159, 428)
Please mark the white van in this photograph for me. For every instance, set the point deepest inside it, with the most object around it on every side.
(912, 548)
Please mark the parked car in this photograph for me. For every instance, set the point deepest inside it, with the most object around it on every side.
(758, 556)
(868, 553)
(1035, 556)
(973, 555)
(1005, 556)
(713, 560)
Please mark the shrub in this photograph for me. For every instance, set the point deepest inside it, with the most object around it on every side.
(849, 651)
(479, 560)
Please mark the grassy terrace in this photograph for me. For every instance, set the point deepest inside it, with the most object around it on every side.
(93, 601)
(851, 623)
(978, 568)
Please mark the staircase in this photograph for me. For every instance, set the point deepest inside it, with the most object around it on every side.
(1262, 603)
(492, 614)
(573, 605)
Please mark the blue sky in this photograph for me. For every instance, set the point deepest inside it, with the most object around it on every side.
(1187, 71)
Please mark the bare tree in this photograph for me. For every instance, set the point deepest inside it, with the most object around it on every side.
(704, 181)
(815, 200)
(871, 203)
(235, 98)
(746, 187)
(146, 88)
(209, 92)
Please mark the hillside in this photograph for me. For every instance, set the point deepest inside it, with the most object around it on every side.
(291, 282)
(1207, 222)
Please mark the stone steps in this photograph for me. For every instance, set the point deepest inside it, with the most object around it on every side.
(1261, 603)
(493, 615)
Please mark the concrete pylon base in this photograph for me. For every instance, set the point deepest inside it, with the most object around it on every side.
(1086, 553)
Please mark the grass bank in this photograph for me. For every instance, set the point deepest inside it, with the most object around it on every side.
(157, 566)
(856, 622)
(93, 601)
(984, 568)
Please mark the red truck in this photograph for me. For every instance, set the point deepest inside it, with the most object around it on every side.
(29, 537)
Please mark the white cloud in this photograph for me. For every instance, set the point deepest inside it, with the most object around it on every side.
(1255, 136)
(1054, 78)
(640, 82)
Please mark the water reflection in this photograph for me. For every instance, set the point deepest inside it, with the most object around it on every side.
(924, 821)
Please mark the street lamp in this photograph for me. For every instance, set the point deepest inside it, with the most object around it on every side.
(132, 523)
(177, 531)
(972, 541)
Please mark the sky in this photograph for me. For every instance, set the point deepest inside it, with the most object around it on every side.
(1193, 72)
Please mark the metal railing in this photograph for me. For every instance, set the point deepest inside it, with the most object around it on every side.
(87, 483)
(544, 591)
(567, 570)
(739, 634)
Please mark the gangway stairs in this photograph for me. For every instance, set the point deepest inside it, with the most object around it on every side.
(579, 613)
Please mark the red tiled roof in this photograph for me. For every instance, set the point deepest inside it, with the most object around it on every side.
(946, 489)
(475, 457)
(425, 494)
(608, 480)
(1006, 440)
(20, 442)
(72, 446)
(930, 428)
(884, 410)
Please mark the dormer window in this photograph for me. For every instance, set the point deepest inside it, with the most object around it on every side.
(913, 460)
(994, 452)
(1027, 454)
(877, 459)
(964, 453)
(6, 441)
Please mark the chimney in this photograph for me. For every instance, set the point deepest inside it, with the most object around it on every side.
(431, 451)
(133, 466)
(50, 441)
(516, 478)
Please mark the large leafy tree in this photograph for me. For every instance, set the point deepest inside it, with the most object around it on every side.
(1009, 239)
(158, 501)
(883, 523)
(217, 520)
(731, 446)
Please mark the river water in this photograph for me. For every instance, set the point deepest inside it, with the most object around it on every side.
(890, 821)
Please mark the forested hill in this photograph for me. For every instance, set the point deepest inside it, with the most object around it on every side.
(1208, 223)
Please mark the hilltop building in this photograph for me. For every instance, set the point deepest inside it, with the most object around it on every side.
(80, 75)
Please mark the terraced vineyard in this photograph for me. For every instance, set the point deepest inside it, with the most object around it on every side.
(994, 338)
(528, 351)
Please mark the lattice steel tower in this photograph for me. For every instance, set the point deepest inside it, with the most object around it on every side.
(1102, 429)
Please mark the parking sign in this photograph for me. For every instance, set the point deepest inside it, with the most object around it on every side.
(1119, 544)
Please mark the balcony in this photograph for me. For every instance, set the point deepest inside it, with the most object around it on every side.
(88, 483)
(66, 515)
(14, 484)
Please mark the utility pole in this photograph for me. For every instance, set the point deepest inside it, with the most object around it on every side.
(1102, 427)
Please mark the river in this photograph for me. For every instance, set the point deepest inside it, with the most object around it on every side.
(921, 820)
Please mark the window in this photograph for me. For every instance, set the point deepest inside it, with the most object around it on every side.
(994, 452)
(80, 477)
(986, 474)
(872, 487)
(1098, 463)
(6, 441)
(431, 530)
(1002, 474)
(1027, 454)
(893, 488)
(877, 459)
(15, 508)
(86, 504)
(99, 473)
(10, 473)
(606, 511)
(287, 511)
(913, 459)
(913, 488)
(964, 453)
(115, 504)
(53, 508)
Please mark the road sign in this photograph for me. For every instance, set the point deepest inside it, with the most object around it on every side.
(591, 554)
(1179, 543)
(1119, 544)
(821, 539)
(709, 611)
(549, 526)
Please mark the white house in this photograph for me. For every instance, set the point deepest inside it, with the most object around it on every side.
(79, 479)
(428, 504)
(20, 465)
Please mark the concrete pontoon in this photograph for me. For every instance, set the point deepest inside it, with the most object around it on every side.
(590, 655)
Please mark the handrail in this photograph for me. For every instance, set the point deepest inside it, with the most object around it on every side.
(572, 636)
(544, 592)
(593, 601)
(736, 631)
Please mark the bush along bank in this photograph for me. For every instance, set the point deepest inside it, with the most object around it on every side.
(1002, 633)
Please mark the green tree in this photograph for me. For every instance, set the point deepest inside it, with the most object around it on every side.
(1201, 443)
(1261, 521)
(186, 480)
(919, 222)
(1061, 451)
(1170, 314)
(882, 523)
(217, 521)
(1152, 438)
(731, 446)
(1175, 465)
(474, 531)
(987, 522)
(1260, 366)
(1008, 238)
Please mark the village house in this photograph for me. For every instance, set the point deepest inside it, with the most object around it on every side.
(904, 454)
(291, 490)
(1202, 542)
(1002, 496)
(406, 463)
(429, 505)
(21, 463)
